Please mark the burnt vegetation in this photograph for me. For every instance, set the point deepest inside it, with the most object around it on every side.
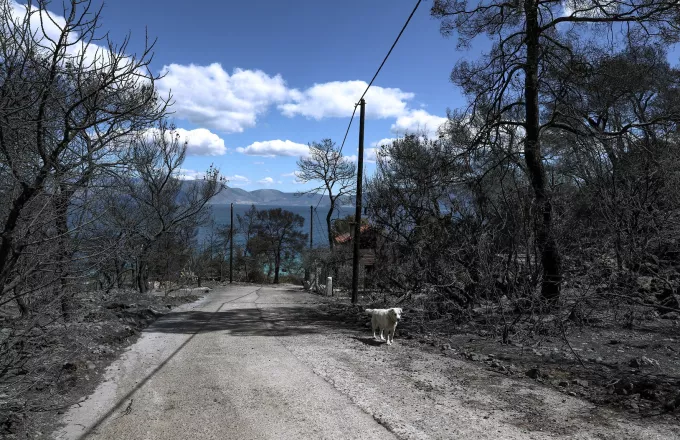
(92, 201)
(548, 209)
(545, 212)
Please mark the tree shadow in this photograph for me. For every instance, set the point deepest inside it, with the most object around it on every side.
(250, 321)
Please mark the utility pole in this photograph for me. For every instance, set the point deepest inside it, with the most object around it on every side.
(311, 240)
(357, 215)
(231, 246)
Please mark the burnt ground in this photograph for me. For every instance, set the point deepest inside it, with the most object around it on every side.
(70, 359)
(631, 366)
(633, 369)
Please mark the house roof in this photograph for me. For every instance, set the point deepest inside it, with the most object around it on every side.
(347, 237)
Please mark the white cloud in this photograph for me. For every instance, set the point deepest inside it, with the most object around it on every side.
(383, 142)
(186, 174)
(46, 28)
(209, 96)
(337, 99)
(274, 148)
(237, 180)
(266, 181)
(258, 163)
(202, 142)
(418, 121)
(295, 174)
(370, 156)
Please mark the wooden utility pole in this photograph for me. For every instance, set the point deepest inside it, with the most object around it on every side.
(231, 246)
(357, 215)
(311, 227)
(311, 240)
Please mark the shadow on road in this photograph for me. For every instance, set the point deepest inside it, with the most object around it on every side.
(252, 321)
(369, 341)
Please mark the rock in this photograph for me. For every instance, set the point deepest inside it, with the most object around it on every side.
(644, 284)
(672, 405)
(563, 383)
(643, 362)
(533, 373)
(580, 382)
(496, 364)
(445, 347)
(623, 387)
(91, 365)
(476, 357)
(69, 366)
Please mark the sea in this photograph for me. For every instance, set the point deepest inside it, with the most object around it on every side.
(221, 215)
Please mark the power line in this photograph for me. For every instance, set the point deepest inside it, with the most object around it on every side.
(347, 132)
(378, 71)
(388, 53)
(319, 224)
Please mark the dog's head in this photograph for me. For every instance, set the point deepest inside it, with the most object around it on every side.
(395, 313)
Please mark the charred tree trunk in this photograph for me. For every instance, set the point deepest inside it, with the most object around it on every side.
(550, 257)
(142, 275)
(277, 265)
(329, 216)
(66, 295)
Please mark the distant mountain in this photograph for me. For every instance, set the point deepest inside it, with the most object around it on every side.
(267, 197)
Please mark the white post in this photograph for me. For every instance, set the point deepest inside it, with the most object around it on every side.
(329, 286)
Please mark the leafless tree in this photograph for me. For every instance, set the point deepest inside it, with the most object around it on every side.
(67, 97)
(160, 200)
(510, 85)
(334, 172)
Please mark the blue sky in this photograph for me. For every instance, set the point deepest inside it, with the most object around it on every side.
(294, 67)
(254, 82)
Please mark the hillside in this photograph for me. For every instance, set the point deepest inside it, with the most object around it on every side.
(266, 197)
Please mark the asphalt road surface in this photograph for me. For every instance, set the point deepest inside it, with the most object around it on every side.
(253, 362)
(217, 370)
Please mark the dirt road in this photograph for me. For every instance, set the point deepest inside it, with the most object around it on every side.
(253, 362)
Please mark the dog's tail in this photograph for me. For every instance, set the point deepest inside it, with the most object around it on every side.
(369, 311)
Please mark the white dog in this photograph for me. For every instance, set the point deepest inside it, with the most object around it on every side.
(385, 319)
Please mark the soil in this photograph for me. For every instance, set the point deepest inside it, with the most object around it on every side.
(77, 353)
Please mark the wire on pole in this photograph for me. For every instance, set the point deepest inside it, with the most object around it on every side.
(378, 71)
